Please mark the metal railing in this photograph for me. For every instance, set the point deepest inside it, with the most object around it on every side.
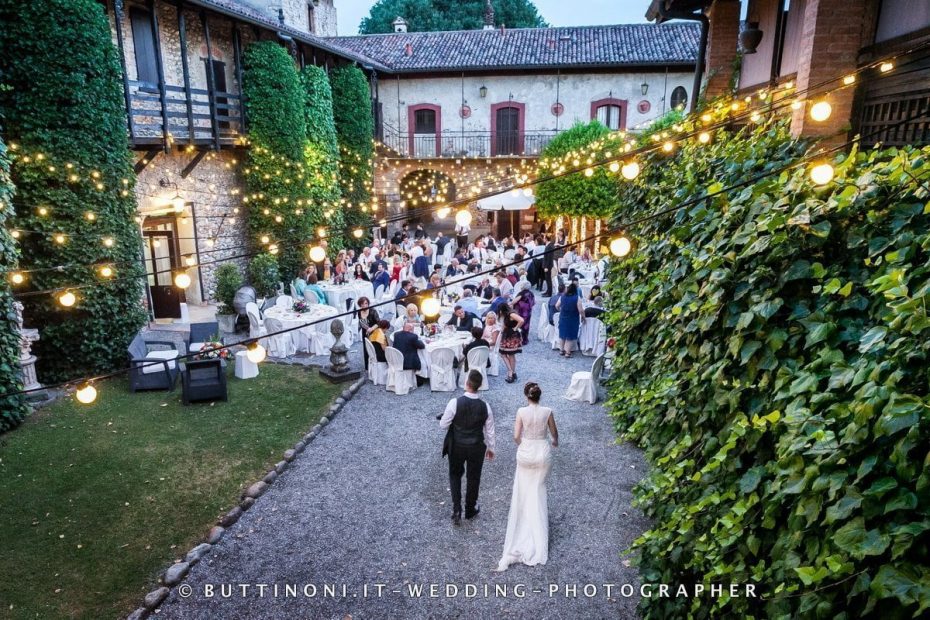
(455, 144)
(199, 118)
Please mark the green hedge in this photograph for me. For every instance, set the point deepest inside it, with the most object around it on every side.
(64, 100)
(355, 129)
(772, 348)
(577, 194)
(12, 408)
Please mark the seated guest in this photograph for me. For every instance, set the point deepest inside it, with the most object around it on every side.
(405, 288)
(377, 258)
(313, 286)
(454, 269)
(300, 285)
(408, 343)
(553, 301)
(410, 316)
(461, 320)
(434, 282)
(479, 341)
(359, 273)
(468, 302)
(504, 284)
(596, 310)
(595, 292)
(378, 338)
(381, 277)
(496, 303)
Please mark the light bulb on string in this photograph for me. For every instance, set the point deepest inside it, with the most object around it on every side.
(108, 242)
(614, 166)
(357, 233)
(190, 261)
(255, 352)
(849, 79)
(182, 280)
(178, 203)
(17, 278)
(821, 111)
(885, 67)
(430, 307)
(106, 271)
(620, 246)
(59, 239)
(668, 147)
(265, 240)
(442, 213)
(321, 232)
(822, 174)
(589, 172)
(67, 299)
(463, 217)
(86, 394)
(15, 234)
(704, 137)
(630, 170)
(317, 254)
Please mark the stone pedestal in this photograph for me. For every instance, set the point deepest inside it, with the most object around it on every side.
(27, 361)
(339, 370)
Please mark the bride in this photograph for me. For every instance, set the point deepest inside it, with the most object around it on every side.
(527, 538)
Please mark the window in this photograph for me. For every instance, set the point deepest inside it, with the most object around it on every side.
(424, 121)
(610, 116)
(311, 26)
(143, 41)
(679, 98)
(219, 86)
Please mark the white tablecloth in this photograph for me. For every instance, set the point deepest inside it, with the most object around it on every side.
(319, 333)
(455, 341)
(337, 294)
(588, 271)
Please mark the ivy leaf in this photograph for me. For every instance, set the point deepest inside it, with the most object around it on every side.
(751, 479)
(748, 349)
(893, 583)
(899, 414)
(843, 508)
(799, 269)
(904, 500)
(872, 338)
(817, 332)
(810, 575)
(882, 486)
(859, 542)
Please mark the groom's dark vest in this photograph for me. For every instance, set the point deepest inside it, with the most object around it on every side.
(470, 416)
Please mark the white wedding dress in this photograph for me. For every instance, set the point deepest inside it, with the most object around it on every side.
(527, 538)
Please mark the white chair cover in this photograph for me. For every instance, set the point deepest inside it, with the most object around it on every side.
(476, 322)
(294, 290)
(399, 381)
(554, 339)
(494, 370)
(584, 383)
(441, 372)
(256, 325)
(284, 301)
(280, 346)
(310, 297)
(379, 291)
(377, 371)
(592, 337)
(392, 289)
(477, 360)
(543, 322)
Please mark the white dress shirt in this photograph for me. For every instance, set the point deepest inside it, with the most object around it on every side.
(449, 414)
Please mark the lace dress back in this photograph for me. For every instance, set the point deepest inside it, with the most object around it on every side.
(535, 421)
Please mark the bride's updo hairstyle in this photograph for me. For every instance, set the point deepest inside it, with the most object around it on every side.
(532, 391)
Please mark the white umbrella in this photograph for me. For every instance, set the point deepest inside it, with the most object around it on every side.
(507, 201)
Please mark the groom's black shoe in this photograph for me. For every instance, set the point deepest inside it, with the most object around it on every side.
(456, 518)
(471, 514)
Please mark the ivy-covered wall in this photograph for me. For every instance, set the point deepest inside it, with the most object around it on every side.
(68, 118)
(772, 348)
(12, 408)
(355, 131)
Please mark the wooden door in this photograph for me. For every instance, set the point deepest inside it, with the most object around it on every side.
(508, 223)
(161, 261)
(507, 138)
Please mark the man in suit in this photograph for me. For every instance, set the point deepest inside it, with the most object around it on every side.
(408, 343)
(405, 288)
(461, 319)
(441, 242)
(478, 334)
(381, 277)
(548, 260)
(469, 425)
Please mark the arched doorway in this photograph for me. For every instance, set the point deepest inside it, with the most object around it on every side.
(428, 189)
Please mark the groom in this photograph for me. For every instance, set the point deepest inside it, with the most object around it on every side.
(469, 440)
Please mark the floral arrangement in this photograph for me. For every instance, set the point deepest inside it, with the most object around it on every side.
(432, 329)
(453, 297)
(209, 351)
(339, 279)
(300, 306)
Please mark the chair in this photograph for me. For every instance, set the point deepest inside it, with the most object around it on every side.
(584, 383)
(441, 370)
(377, 371)
(284, 301)
(294, 290)
(256, 324)
(554, 339)
(202, 333)
(311, 298)
(592, 337)
(152, 369)
(203, 380)
(399, 381)
(494, 369)
(280, 345)
(543, 322)
(392, 289)
(476, 322)
(477, 360)
(379, 291)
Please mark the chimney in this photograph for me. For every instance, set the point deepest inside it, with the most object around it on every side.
(400, 24)
(408, 49)
(488, 15)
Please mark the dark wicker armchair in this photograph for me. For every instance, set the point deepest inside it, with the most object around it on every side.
(151, 369)
(203, 380)
(202, 333)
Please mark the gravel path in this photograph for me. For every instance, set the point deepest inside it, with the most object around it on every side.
(368, 503)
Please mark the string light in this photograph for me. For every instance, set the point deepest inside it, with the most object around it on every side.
(106, 271)
(86, 394)
(178, 203)
(182, 280)
(463, 217)
(317, 254)
(885, 67)
(255, 352)
(822, 174)
(357, 233)
(442, 214)
(430, 307)
(704, 137)
(59, 239)
(849, 80)
(620, 246)
(668, 146)
(614, 166)
(821, 111)
(630, 171)
(67, 299)
(17, 278)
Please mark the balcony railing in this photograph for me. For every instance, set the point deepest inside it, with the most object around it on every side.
(454, 144)
(202, 119)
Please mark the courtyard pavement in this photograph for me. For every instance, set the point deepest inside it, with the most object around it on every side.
(367, 504)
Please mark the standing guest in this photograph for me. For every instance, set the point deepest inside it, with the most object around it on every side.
(477, 334)
(419, 233)
(461, 320)
(397, 237)
(381, 277)
(548, 260)
(469, 440)
(523, 305)
(511, 340)
(358, 273)
(408, 344)
(571, 312)
(553, 302)
(492, 330)
(441, 242)
(379, 343)
(421, 254)
(367, 318)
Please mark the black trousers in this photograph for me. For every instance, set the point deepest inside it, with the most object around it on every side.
(461, 241)
(461, 457)
(548, 275)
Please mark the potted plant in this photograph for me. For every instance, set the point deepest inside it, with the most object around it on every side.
(264, 275)
(228, 281)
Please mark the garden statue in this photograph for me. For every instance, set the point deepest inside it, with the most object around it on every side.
(338, 355)
(27, 360)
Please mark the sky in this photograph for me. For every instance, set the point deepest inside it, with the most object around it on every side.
(557, 12)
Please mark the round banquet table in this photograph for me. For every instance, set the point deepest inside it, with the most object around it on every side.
(455, 341)
(337, 294)
(315, 339)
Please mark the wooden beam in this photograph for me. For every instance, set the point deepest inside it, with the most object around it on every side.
(237, 59)
(185, 70)
(211, 80)
(118, 21)
(148, 158)
(162, 95)
(190, 167)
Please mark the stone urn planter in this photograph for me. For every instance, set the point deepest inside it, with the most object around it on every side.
(750, 37)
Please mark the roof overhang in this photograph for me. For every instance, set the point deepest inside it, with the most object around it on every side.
(678, 6)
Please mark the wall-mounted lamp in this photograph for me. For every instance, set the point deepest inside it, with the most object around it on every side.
(645, 88)
(483, 91)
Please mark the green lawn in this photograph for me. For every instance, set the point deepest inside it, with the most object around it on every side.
(96, 500)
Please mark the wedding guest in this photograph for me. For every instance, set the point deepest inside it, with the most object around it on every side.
(461, 235)
(405, 288)
(468, 302)
(340, 267)
(523, 305)
(441, 243)
(409, 317)
(571, 312)
(313, 286)
(595, 292)
(479, 341)
(460, 319)
(505, 285)
(367, 318)
(548, 259)
(454, 269)
(492, 329)
(553, 302)
(381, 277)
(595, 310)
(377, 258)
(408, 344)
(419, 233)
(434, 282)
(511, 340)
(378, 338)
(358, 273)
(496, 302)
(300, 284)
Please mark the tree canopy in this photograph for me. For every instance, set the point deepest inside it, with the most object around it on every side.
(434, 15)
